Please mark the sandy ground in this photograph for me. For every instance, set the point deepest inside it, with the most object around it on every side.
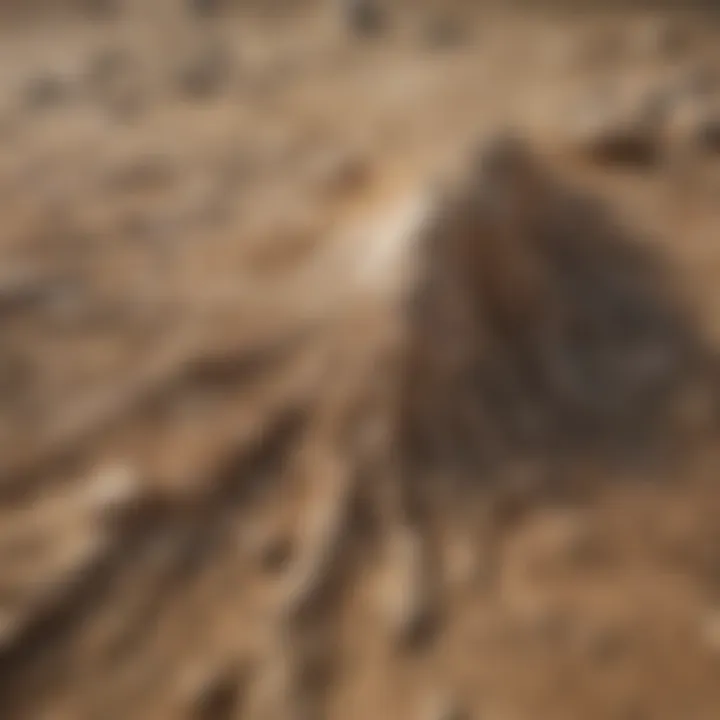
(234, 477)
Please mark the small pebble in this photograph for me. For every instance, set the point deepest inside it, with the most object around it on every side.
(405, 594)
(270, 549)
(633, 142)
(22, 291)
(45, 92)
(106, 67)
(206, 74)
(147, 172)
(204, 8)
(441, 33)
(362, 17)
(605, 644)
(114, 488)
(101, 9)
(217, 696)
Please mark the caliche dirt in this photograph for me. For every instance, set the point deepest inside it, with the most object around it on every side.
(359, 362)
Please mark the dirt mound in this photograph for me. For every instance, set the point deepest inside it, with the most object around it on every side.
(538, 319)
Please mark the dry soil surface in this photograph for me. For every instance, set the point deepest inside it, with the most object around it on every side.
(285, 432)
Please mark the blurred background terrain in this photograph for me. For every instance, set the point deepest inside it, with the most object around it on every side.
(359, 360)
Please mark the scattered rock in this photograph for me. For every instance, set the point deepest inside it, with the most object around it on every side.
(363, 17)
(116, 81)
(277, 554)
(127, 103)
(206, 74)
(102, 9)
(46, 91)
(204, 8)
(21, 291)
(442, 32)
(615, 130)
(107, 67)
(619, 141)
(148, 172)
